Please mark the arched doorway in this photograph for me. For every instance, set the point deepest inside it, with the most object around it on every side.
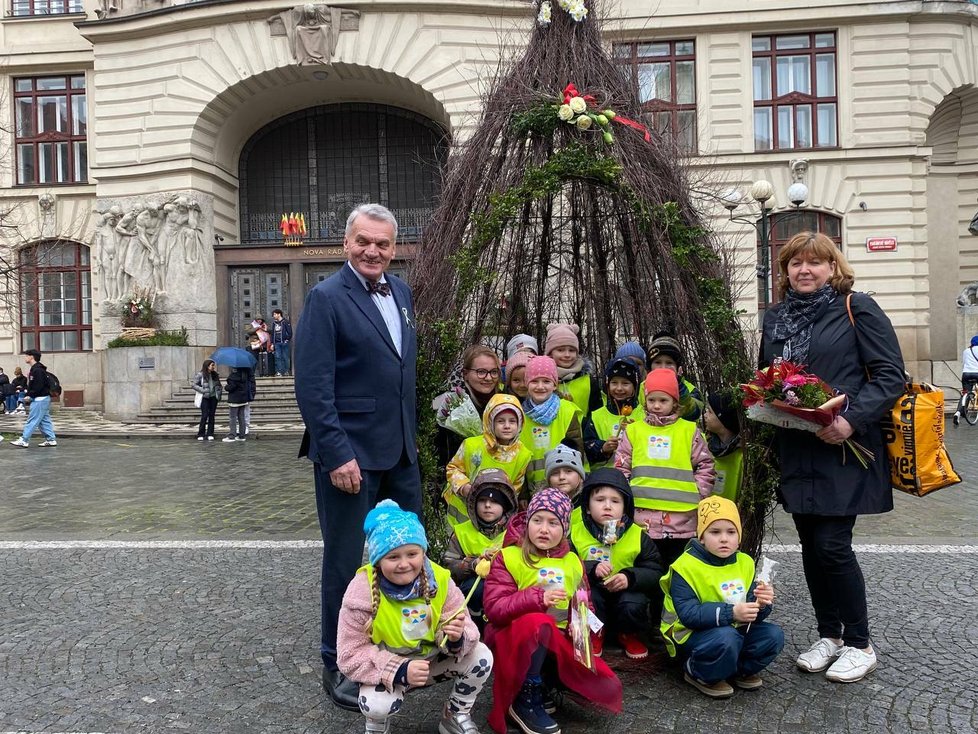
(322, 161)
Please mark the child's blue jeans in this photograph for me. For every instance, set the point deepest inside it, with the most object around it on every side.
(717, 654)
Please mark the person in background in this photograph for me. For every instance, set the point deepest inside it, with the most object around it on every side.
(574, 380)
(281, 349)
(723, 439)
(207, 383)
(6, 391)
(969, 376)
(665, 353)
(604, 426)
(238, 389)
(516, 374)
(480, 381)
(522, 344)
(19, 386)
(39, 397)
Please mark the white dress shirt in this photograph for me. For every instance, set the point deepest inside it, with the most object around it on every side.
(387, 307)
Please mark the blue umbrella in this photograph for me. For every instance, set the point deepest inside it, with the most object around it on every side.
(234, 357)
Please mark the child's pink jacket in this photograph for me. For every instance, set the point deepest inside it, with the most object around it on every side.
(359, 659)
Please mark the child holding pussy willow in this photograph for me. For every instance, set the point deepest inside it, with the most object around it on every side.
(404, 624)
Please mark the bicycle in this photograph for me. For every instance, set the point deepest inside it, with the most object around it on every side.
(971, 405)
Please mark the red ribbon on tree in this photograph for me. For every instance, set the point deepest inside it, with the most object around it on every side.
(571, 91)
(635, 126)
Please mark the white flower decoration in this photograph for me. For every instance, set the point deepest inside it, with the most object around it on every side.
(565, 113)
(546, 10)
(577, 105)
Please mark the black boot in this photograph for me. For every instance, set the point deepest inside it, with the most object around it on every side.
(528, 712)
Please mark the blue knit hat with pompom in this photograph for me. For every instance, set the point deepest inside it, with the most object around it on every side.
(388, 527)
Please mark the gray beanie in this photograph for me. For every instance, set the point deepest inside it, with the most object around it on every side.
(564, 456)
(521, 341)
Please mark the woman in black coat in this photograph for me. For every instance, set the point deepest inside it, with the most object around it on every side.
(823, 485)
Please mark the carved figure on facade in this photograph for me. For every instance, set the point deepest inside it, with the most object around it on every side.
(968, 295)
(49, 215)
(313, 30)
(149, 247)
(109, 254)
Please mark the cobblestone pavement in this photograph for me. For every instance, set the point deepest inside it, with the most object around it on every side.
(193, 623)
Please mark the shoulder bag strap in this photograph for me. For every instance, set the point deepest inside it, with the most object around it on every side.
(852, 320)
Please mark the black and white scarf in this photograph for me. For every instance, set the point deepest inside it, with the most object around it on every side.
(796, 319)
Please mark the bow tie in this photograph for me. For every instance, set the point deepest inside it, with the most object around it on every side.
(382, 289)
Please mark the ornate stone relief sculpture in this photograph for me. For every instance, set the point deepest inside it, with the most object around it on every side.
(313, 31)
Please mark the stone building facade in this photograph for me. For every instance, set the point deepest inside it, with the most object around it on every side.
(153, 145)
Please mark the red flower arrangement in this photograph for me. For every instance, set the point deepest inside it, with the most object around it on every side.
(786, 396)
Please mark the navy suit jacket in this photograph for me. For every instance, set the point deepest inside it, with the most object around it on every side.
(356, 395)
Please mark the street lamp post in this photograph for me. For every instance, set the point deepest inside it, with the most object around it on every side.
(762, 192)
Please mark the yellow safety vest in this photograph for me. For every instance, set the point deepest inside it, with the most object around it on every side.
(566, 572)
(473, 542)
(662, 471)
(620, 555)
(540, 439)
(578, 391)
(730, 472)
(606, 425)
(727, 584)
(477, 458)
(408, 627)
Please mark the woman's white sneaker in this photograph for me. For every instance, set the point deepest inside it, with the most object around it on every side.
(819, 656)
(853, 665)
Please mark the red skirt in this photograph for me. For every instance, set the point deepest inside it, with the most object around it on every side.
(512, 648)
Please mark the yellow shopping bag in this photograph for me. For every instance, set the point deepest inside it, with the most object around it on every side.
(914, 435)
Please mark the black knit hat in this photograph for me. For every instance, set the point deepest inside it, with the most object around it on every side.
(725, 410)
(607, 476)
(623, 368)
(665, 344)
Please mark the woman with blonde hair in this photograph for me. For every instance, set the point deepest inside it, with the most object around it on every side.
(844, 338)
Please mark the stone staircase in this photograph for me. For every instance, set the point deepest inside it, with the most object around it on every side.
(274, 404)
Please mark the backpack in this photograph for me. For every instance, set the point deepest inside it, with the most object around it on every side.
(54, 385)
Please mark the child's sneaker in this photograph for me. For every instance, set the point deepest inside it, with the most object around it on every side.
(720, 689)
(527, 711)
(455, 723)
(633, 646)
(853, 665)
(49, 442)
(819, 656)
(597, 644)
(229, 439)
(748, 682)
(956, 419)
(20, 442)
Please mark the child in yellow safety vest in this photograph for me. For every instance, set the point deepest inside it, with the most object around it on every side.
(403, 625)
(714, 613)
(530, 590)
(604, 426)
(665, 353)
(549, 420)
(668, 464)
(574, 381)
(499, 447)
(622, 564)
(490, 505)
(723, 438)
(565, 471)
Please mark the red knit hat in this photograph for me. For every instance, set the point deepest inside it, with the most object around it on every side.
(662, 380)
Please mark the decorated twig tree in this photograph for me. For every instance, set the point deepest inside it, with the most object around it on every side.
(562, 207)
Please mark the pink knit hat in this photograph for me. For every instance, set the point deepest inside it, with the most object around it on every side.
(515, 362)
(562, 335)
(541, 367)
(551, 500)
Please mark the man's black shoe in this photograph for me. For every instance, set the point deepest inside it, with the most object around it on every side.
(341, 689)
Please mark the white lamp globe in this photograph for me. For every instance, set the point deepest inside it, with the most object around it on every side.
(761, 190)
(798, 193)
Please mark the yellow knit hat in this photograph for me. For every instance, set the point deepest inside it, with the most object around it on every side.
(716, 508)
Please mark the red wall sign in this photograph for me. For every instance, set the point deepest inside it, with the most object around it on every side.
(881, 244)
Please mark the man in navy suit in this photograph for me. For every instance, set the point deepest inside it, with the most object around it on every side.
(355, 375)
